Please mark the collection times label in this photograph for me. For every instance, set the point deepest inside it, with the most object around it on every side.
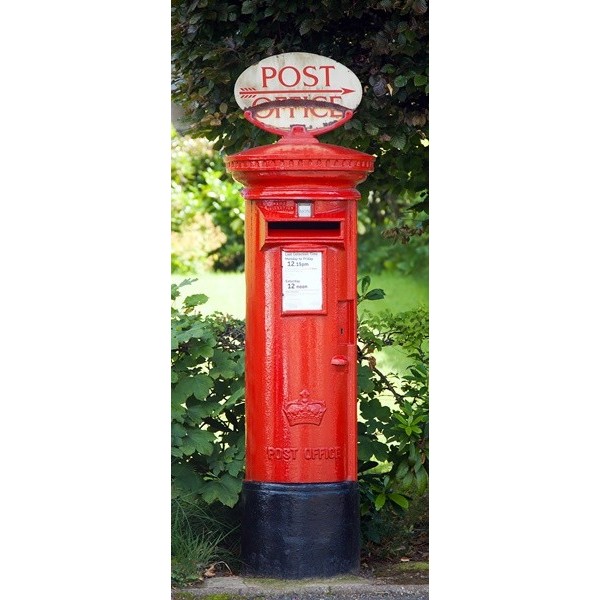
(302, 280)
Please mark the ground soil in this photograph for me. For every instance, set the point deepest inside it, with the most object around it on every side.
(407, 564)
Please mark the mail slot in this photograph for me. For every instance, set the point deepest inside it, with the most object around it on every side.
(303, 230)
(326, 227)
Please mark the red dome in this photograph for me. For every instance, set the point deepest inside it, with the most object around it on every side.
(300, 166)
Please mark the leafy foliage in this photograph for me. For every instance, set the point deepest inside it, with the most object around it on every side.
(207, 410)
(207, 210)
(385, 42)
(394, 234)
(393, 447)
(223, 202)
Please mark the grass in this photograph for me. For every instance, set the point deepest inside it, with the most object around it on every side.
(227, 292)
(401, 294)
(195, 538)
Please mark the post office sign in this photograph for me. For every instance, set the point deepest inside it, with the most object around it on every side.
(298, 76)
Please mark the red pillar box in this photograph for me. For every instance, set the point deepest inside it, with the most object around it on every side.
(300, 495)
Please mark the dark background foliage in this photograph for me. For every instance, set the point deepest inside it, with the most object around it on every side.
(384, 42)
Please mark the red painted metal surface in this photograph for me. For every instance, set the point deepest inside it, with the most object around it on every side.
(301, 422)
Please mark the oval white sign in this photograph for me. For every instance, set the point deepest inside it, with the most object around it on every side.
(307, 79)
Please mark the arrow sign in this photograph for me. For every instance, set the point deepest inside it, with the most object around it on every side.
(298, 75)
(253, 92)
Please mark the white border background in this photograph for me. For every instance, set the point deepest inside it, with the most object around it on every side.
(85, 301)
(514, 300)
(85, 247)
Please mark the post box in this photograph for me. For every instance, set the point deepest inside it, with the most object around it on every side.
(300, 494)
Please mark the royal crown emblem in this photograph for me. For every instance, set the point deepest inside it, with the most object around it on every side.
(304, 411)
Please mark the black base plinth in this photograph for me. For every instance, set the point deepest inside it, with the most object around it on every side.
(297, 530)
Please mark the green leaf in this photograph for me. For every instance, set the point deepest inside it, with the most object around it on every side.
(368, 447)
(365, 283)
(379, 501)
(400, 81)
(365, 448)
(265, 43)
(408, 480)
(226, 489)
(372, 409)
(235, 397)
(414, 458)
(198, 385)
(401, 419)
(198, 330)
(232, 484)
(304, 27)
(205, 350)
(174, 340)
(398, 141)
(421, 479)
(421, 80)
(195, 300)
(202, 386)
(402, 470)
(188, 447)
(235, 467)
(399, 499)
(202, 440)
(371, 129)
(376, 294)
(365, 466)
(365, 382)
(223, 366)
(178, 430)
(177, 411)
(184, 477)
(181, 284)
(248, 7)
(200, 411)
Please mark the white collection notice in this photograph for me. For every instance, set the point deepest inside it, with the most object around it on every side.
(302, 280)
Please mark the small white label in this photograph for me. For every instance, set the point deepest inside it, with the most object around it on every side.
(304, 209)
(302, 280)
